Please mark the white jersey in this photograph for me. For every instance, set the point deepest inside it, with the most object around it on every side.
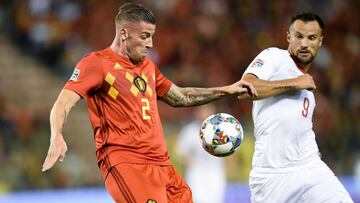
(283, 123)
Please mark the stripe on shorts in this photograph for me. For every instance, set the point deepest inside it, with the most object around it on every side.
(122, 185)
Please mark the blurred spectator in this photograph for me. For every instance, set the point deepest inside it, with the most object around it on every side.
(203, 172)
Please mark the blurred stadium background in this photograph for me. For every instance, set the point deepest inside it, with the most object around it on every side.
(197, 42)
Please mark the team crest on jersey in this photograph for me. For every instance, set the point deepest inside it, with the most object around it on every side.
(151, 201)
(258, 63)
(75, 75)
(140, 83)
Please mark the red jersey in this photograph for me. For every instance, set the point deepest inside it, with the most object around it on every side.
(122, 103)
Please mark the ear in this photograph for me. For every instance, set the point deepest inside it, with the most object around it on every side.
(123, 34)
(288, 36)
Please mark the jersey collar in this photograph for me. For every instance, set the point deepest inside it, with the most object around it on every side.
(124, 61)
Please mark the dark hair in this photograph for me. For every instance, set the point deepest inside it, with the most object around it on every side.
(133, 12)
(307, 17)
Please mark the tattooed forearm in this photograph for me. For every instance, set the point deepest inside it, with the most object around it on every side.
(270, 88)
(289, 87)
(174, 98)
(198, 96)
(191, 96)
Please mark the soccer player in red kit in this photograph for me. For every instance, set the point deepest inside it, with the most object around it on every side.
(121, 87)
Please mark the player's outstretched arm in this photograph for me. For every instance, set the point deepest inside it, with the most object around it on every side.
(272, 88)
(66, 100)
(194, 96)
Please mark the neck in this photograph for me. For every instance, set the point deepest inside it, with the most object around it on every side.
(118, 47)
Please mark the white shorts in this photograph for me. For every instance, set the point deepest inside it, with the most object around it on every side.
(310, 183)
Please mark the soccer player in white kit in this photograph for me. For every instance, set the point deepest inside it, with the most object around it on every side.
(286, 165)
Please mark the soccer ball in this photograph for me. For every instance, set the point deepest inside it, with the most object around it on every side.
(221, 134)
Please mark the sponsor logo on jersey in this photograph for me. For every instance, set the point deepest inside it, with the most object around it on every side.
(258, 63)
(151, 201)
(140, 83)
(75, 75)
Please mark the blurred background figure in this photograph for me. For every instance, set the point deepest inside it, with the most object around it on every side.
(204, 173)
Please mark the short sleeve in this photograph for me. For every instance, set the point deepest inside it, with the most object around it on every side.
(87, 76)
(264, 65)
(162, 83)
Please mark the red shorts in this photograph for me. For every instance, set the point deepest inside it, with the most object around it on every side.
(142, 183)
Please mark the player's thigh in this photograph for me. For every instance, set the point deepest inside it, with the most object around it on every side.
(324, 186)
(134, 183)
(177, 190)
(114, 190)
(279, 188)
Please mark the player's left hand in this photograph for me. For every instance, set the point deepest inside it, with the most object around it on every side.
(56, 152)
(245, 87)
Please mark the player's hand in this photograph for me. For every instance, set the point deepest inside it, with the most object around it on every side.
(305, 81)
(243, 86)
(56, 152)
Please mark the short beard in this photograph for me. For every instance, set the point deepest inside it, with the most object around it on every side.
(298, 60)
(303, 63)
